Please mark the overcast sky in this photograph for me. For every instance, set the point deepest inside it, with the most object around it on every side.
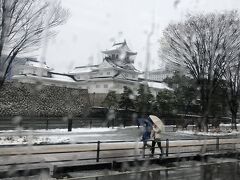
(94, 25)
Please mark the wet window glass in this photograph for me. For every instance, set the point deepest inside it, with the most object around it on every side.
(119, 89)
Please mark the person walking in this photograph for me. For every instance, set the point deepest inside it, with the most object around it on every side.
(147, 128)
(156, 135)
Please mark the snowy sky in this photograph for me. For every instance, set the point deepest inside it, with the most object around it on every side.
(94, 25)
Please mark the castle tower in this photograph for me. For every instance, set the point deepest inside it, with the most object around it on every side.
(120, 52)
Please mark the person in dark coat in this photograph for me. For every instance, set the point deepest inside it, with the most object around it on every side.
(147, 129)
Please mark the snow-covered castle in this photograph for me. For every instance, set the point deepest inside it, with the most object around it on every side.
(113, 73)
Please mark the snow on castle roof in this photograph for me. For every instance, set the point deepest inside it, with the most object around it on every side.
(62, 78)
(119, 48)
(157, 85)
(37, 64)
(83, 69)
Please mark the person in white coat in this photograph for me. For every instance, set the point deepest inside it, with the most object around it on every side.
(156, 135)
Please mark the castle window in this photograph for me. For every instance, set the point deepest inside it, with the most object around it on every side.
(108, 73)
(97, 86)
(105, 86)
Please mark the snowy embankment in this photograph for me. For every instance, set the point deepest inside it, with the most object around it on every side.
(52, 136)
(74, 130)
(222, 133)
(225, 130)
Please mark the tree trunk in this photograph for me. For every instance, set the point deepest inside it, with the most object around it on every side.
(234, 120)
(234, 111)
(205, 122)
(8, 66)
(3, 26)
(1, 82)
(205, 106)
(205, 114)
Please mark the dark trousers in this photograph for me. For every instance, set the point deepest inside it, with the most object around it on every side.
(159, 145)
(146, 145)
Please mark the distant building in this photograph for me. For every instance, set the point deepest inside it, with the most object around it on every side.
(115, 72)
(29, 70)
(158, 75)
(29, 66)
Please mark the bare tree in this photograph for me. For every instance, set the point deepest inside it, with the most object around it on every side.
(22, 26)
(204, 45)
(232, 77)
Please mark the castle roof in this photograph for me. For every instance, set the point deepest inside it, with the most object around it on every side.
(119, 48)
(37, 64)
(122, 65)
(83, 69)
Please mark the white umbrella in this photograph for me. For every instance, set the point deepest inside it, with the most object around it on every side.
(158, 122)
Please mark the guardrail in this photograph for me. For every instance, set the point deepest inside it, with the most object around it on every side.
(202, 146)
(110, 150)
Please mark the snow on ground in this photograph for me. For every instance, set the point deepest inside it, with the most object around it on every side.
(222, 133)
(225, 130)
(17, 140)
(74, 130)
(53, 136)
(228, 125)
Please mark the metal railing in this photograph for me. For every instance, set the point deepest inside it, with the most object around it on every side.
(106, 150)
(210, 145)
